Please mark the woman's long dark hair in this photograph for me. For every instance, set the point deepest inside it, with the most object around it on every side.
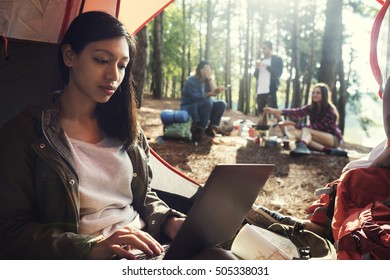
(326, 101)
(201, 64)
(117, 117)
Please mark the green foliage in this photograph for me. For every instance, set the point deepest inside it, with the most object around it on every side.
(366, 123)
(173, 48)
(360, 7)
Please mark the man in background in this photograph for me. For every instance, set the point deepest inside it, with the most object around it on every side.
(267, 74)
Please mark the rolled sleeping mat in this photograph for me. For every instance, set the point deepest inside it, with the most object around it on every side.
(174, 116)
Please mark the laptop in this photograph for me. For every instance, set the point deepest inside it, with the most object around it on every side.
(219, 209)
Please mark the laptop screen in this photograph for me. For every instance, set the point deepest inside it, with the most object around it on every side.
(220, 208)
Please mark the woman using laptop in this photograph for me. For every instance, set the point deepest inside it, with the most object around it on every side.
(74, 173)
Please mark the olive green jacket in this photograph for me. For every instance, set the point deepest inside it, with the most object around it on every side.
(39, 189)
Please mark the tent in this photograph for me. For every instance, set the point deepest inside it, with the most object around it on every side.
(30, 31)
(380, 32)
(47, 20)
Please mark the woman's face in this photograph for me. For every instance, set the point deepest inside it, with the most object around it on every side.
(98, 70)
(316, 95)
(206, 71)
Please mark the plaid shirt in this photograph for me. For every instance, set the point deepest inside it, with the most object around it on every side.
(324, 122)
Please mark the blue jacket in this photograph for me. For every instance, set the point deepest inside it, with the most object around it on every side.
(194, 90)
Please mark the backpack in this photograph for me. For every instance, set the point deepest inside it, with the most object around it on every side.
(353, 209)
(308, 244)
(176, 125)
(366, 234)
(178, 131)
(321, 211)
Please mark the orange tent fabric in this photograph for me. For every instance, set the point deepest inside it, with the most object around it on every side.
(47, 20)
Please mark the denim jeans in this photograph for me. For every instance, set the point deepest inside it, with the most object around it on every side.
(205, 111)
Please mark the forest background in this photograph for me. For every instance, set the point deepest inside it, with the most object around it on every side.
(311, 36)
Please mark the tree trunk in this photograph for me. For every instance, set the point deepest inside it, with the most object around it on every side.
(141, 62)
(200, 32)
(228, 77)
(331, 42)
(174, 90)
(310, 65)
(297, 94)
(184, 74)
(263, 20)
(186, 50)
(158, 57)
(166, 90)
(310, 69)
(245, 79)
(241, 96)
(342, 100)
(210, 15)
(189, 58)
(288, 82)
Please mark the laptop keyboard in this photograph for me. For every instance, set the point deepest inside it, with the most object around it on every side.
(143, 256)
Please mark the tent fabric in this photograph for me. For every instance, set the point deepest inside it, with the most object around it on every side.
(169, 179)
(29, 33)
(374, 43)
(172, 186)
(27, 74)
(47, 20)
(32, 20)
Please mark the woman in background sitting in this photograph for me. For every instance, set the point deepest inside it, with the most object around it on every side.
(322, 133)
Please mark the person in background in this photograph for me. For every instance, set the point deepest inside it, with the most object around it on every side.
(267, 73)
(74, 171)
(323, 133)
(197, 99)
(378, 157)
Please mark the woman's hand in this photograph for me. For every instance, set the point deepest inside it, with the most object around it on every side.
(287, 123)
(218, 90)
(206, 72)
(172, 226)
(221, 88)
(269, 110)
(121, 242)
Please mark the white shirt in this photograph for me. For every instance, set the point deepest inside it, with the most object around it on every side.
(105, 174)
(264, 78)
